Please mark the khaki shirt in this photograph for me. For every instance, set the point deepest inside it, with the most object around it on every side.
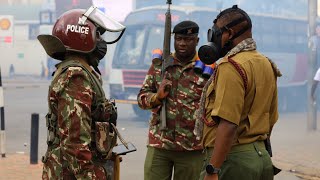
(255, 110)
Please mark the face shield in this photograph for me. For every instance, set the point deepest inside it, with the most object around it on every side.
(110, 30)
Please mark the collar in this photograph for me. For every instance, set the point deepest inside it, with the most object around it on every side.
(246, 45)
(192, 62)
(81, 60)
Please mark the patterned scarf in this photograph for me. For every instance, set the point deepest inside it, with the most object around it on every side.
(246, 45)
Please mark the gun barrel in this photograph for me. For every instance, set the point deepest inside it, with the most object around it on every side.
(166, 54)
(167, 37)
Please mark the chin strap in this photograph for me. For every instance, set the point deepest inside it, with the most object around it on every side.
(96, 69)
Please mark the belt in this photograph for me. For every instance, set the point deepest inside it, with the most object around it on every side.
(256, 146)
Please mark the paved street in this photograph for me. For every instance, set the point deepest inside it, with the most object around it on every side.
(295, 150)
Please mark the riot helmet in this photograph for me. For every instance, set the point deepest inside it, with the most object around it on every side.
(82, 31)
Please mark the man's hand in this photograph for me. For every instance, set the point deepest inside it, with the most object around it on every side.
(164, 89)
(211, 177)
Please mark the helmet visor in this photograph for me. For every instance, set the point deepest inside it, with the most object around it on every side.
(110, 29)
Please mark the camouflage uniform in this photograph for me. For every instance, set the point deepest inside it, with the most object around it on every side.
(78, 115)
(176, 147)
(182, 102)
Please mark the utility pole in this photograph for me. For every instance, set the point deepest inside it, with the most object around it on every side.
(312, 106)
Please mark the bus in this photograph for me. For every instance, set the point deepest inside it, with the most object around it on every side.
(282, 39)
(62, 6)
(132, 56)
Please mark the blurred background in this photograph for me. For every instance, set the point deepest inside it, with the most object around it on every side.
(285, 31)
(280, 29)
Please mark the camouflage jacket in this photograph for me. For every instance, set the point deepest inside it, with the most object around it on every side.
(182, 102)
(71, 120)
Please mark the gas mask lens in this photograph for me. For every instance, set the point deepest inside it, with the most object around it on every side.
(212, 33)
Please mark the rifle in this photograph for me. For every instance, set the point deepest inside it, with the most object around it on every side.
(165, 62)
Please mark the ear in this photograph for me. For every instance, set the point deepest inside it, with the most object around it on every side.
(231, 33)
(197, 41)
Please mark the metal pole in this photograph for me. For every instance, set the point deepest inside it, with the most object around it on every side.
(2, 124)
(312, 107)
(34, 138)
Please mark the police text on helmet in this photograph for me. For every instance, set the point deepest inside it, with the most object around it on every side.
(78, 29)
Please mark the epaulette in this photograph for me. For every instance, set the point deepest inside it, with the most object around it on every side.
(275, 68)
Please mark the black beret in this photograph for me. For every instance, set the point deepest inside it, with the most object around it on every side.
(186, 28)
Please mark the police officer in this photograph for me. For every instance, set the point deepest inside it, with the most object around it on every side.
(176, 148)
(80, 118)
(241, 102)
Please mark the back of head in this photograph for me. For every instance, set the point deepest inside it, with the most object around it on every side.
(235, 18)
(236, 23)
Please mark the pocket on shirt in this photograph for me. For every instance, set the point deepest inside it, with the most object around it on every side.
(104, 138)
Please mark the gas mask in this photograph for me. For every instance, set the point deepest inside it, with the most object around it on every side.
(98, 53)
(213, 50)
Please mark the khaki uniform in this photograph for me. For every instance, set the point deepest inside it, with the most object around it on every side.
(249, 101)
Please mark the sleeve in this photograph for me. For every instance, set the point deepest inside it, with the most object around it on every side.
(274, 115)
(230, 92)
(317, 75)
(74, 119)
(147, 95)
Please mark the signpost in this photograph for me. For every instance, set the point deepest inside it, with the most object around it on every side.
(6, 30)
(312, 108)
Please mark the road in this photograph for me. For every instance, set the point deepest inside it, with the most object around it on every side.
(22, 99)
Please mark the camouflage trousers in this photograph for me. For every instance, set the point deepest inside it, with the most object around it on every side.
(52, 171)
(108, 167)
(244, 162)
(162, 164)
